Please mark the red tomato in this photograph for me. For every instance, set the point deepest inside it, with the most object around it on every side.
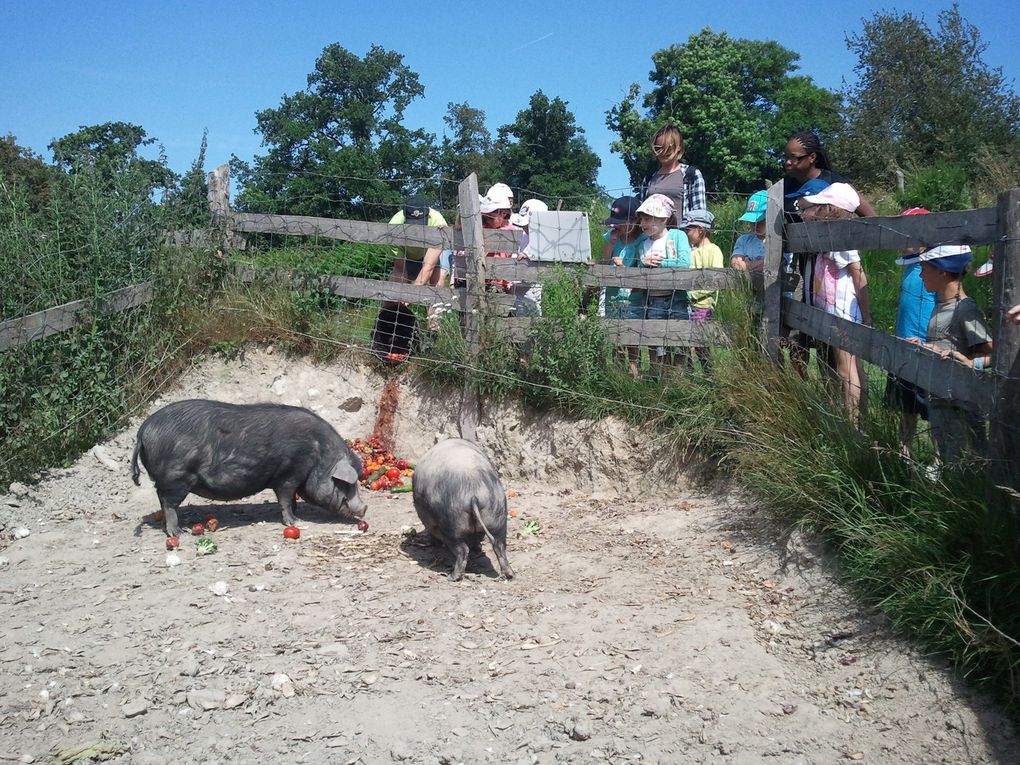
(362, 525)
(292, 532)
(374, 486)
(172, 542)
(365, 473)
(198, 529)
(212, 525)
(384, 483)
(393, 473)
(401, 464)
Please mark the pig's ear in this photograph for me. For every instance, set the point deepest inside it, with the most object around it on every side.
(344, 472)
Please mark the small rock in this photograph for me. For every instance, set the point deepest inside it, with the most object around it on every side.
(4, 562)
(135, 708)
(283, 685)
(189, 665)
(206, 699)
(580, 730)
(18, 489)
(352, 404)
(279, 386)
(104, 458)
(312, 392)
(21, 532)
(234, 700)
(339, 650)
(219, 588)
(570, 685)
(173, 560)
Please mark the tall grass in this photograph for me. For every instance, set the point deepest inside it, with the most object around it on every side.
(61, 394)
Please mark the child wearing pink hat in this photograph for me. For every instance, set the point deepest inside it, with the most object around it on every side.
(840, 285)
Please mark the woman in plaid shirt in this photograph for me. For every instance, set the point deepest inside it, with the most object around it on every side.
(682, 183)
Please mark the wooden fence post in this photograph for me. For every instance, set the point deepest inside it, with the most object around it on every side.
(218, 195)
(773, 270)
(1004, 444)
(474, 252)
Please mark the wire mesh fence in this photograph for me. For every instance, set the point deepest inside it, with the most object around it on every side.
(394, 287)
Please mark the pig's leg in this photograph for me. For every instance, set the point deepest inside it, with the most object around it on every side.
(169, 507)
(460, 557)
(285, 496)
(499, 548)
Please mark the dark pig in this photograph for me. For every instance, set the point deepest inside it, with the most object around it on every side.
(460, 499)
(230, 451)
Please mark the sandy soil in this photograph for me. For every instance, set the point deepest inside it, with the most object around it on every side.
(656, 622)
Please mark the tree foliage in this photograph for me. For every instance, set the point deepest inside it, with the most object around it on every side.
(467, 148)
(544, 152)
(26, 172)
(112, 148)
(736, 101)
(924, 96)
(338, 148)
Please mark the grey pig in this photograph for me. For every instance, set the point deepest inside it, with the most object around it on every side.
(231, 451)
(459, 498)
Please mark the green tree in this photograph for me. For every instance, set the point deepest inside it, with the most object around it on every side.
(189, 202)
(112, 148)
(338, 148)
(26, 171)
(924, 96)
(544, 152)
(467, 147)
(735, 101)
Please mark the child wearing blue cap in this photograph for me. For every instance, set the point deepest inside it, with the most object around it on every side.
(749, 249)
(955, 329)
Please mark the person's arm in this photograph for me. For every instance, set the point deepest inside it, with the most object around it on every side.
(428, 266)
(678, 251)
(860, 280)
(697, 198)
(865, 209)
(609, 246)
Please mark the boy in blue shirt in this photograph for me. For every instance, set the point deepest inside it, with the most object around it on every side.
(912, 315)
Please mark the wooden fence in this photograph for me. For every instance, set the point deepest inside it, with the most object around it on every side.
(996, 394)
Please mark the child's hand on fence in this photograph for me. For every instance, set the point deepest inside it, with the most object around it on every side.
(1013, 314)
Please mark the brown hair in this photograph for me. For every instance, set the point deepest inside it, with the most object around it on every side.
(671, 140)
(827, 212)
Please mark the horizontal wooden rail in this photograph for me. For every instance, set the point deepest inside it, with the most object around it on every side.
(944, 378)
(25, 329)
(967, 227)
(408, 234)
(369, 289)
(676, 333)
(597, 275)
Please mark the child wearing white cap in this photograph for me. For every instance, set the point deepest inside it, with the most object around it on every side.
(955, 330)
(528, 296)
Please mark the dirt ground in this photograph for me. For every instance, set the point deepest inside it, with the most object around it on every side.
(650, 620)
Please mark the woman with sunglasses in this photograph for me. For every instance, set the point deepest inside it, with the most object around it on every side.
(805, 160)
(683, 184)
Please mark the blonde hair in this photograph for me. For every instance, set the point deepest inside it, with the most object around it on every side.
(671, 141)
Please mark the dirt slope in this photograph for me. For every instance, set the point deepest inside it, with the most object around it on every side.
(659, 625)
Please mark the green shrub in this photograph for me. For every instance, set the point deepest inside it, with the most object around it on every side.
(938, 188)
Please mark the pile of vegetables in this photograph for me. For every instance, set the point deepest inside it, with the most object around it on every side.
(382, 471)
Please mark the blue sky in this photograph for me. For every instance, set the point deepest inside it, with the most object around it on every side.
(177, 68)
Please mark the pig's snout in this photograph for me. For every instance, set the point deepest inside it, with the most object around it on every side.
(356, 506)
